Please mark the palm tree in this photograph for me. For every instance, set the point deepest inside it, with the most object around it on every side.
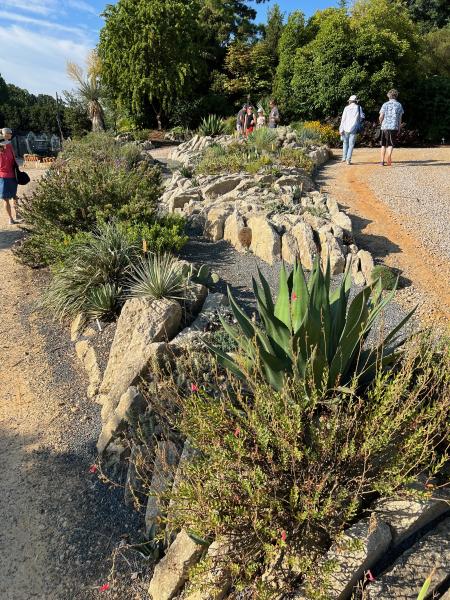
(89, 89)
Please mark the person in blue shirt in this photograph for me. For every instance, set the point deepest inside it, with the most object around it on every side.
(391, 119)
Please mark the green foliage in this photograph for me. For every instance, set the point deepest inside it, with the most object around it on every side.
(218, 159)
(99, 181)
(315, 132)
(141, 74)
(262, 140)
(311, 334)
(426, 586)
(23, 111)
(281, 474)
(211, 125)
(293, 157)
(166, 235)
(429, 14)
(91, 277)
(387, 277)
(229, 126)
(158, 276)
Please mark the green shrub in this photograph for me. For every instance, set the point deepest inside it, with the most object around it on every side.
(89, 188)
(314, 132)
(253, 166)
(281, 474)
(292, 157)
(158, 276)
(310, 333)
(218, 159)
(211, 125)
(229, 126)
(92, 275)
(99, 148)
(386, 275)
(166, 235)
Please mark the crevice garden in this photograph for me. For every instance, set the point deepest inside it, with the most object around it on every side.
(296, 451)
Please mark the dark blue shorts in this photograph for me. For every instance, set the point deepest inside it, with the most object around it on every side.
(8, 188)
(388, 137)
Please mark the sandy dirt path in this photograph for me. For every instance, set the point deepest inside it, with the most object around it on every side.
(399, 214)
(59, 523)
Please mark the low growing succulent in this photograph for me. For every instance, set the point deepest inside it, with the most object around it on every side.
(311, 334)
(211, 125)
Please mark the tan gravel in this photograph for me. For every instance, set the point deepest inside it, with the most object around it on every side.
(401, 215)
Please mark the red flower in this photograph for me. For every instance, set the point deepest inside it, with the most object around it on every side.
(369, 576)
(283, 535)
(194, 388)
(294, 296)
(105, 587)
(93, 469)
(237, 431)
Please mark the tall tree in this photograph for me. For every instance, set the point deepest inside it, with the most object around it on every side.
(274, 29)
(150, 52)
(430, 14)
(294, 36)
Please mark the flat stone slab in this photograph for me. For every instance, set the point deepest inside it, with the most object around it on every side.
(407, 576)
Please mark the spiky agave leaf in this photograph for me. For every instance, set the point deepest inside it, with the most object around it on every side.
(158, 276)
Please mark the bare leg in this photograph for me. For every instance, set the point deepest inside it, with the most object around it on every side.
(8, 209)
(389, 154)
(383, 153)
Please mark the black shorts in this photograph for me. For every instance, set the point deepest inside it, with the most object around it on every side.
(388, 137)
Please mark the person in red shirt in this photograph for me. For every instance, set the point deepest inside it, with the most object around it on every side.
(8, 181)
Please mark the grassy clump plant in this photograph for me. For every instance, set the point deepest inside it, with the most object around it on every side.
(91, 278)
(158, 276)
(294, 157)
(281, 473)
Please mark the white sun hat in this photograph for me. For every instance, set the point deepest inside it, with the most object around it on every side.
(353, 98)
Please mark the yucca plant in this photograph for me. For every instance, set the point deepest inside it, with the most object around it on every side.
(158, 276)
(211, 125)
(89, 89)
(311, 333)
(104, 302)
(262, 140)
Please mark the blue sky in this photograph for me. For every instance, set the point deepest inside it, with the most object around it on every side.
(40, 36)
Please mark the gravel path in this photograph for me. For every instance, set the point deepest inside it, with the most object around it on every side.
(401, 214)
(60, 523)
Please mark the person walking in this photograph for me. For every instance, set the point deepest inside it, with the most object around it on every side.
(391, 114)
(8, 181)
(274, 116)
(351, 122)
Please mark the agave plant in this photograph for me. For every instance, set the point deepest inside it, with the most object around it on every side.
(158, 276)
(211, 125)
(311, 333)
(262, 140)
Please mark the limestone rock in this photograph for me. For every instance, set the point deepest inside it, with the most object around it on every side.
(88, 357)
(196, 295)
(237, 233)
(307, 248)
(172, 571)
(215, 221)
(131, 404)
(178, 200)
(313, 220)
(407, 516)
(367, 265)
(332, 205)
(221, 186)
(266, 242)
(361, 546)
(405, 579)
(166, 459)
(142, 324)
(289, 248)
(343, 221)
(332, 251)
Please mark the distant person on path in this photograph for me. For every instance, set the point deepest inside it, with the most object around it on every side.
(274, 117)
(8, 181)
(261, 120)
(351, 121)
(250, 121)
(391, 119)
(240, 122)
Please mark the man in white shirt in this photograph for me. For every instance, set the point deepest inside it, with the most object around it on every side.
(351, 122)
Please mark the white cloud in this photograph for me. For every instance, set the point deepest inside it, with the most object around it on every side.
(37, 62)
(41, 7)
(10, 16)
(82, 6)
